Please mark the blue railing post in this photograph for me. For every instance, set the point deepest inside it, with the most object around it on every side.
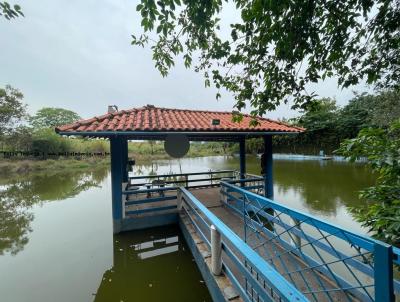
(124, 155)
(269, 180)
(242, 151)
(116, 182)
(383, 272)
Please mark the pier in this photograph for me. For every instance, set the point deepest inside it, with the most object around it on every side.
(248, 246)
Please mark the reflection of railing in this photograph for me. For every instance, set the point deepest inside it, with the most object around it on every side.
(321, 260)
(253, 277)
(149, 196)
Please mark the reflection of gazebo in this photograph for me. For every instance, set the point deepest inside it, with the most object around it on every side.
(153, 123)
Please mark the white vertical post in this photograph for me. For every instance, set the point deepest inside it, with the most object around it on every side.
(216, 251)
(179, 199)
(223, 197)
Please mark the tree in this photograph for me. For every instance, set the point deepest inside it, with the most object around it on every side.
(20, 139)
(278, 47)
(387, 108)
(53, 117)
(382, 149)
(12, 110)
(46, 141)
(9, 12)
(356, 115)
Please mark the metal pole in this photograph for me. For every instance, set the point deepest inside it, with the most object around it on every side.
(383, 272)
(268, 162)
(242, 151)
(124, 155)
(216, 251)
(296, 240)
(116, 182)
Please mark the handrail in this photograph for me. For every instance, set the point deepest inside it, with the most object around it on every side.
(362, 240)
(286, 291)
(181, 174)
(252, 206)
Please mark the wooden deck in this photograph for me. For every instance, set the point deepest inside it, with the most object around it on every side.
(311, 279)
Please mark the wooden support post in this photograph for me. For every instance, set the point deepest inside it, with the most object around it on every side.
(216, 251)
(116, 182)
(242, 151)
(124, 154)
(268, 175)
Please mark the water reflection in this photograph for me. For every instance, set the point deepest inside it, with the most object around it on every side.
(19, 195)
(324, 188)
(139, 257)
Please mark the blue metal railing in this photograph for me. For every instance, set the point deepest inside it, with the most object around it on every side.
(248, 271)
(321, 260)
(151, 192)
(188, 180)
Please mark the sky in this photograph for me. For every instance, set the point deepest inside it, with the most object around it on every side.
(77, 55)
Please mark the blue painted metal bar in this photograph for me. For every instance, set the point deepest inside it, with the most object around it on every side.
(124, 155)
(320, 266)
(233, 181)
(351, 261)
(244, 272)
(383, 272)
(182, 174)
(361, 240)
(242, 152)
(366, 269)
(286, 291)
(236, 284)
(268, 168)
(383, 258)
(154, 190)
(198, 228)
(116, 182)
(150, 200)
(149, 210)
(253, 187)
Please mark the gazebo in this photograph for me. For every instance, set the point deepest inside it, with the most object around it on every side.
(154, 123)
(232, 225)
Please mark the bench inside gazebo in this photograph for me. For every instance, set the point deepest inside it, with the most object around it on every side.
(247, 246)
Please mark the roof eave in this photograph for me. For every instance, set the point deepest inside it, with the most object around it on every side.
(158, 133)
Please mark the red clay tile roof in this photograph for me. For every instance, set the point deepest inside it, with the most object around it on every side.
(154, 119)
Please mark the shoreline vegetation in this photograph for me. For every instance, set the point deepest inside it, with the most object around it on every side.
(142, 152)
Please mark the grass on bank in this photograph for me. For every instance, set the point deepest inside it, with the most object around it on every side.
(26, 165)
(142, 152)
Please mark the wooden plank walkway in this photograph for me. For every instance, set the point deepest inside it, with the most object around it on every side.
(310, 280)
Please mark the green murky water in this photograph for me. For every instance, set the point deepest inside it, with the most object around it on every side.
(56, 241)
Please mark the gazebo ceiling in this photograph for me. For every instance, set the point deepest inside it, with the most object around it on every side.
(150, 122)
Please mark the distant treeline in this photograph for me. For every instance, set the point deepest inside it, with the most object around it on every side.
(328, 124)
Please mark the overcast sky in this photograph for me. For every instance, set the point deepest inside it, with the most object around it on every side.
(77, 55)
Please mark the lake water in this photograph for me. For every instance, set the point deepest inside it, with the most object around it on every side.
(56, 241)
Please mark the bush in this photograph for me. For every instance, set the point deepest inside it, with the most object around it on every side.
(382, 148)
(47, 141)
